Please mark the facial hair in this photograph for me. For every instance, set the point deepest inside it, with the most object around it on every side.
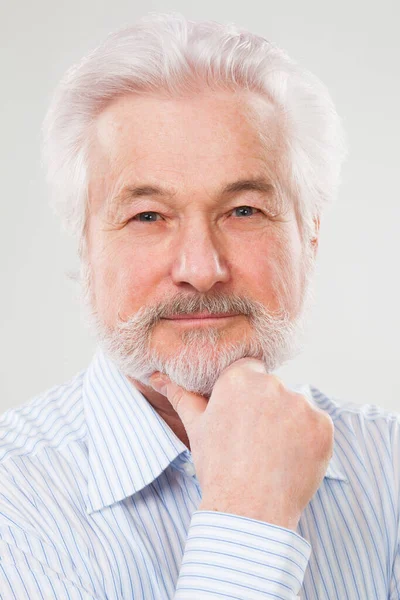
(273, 337)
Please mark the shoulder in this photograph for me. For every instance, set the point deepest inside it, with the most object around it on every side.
(48, 420)
(42, 461)
(367, 436)
(43, 474)
(343, 407)
(347, 414)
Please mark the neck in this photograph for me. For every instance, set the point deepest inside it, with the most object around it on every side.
(164, 408)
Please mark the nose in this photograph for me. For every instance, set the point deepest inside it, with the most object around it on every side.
(199, 257)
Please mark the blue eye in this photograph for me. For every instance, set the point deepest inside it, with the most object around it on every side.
(246, 208)
(145, 214)
(151, 216)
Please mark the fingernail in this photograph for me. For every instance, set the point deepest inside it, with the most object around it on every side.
(159, 383)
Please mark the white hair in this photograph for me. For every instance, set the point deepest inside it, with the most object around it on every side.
(165, 53)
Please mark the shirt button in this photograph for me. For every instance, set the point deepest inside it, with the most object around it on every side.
(189, 468)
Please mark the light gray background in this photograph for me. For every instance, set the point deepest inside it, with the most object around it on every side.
(354, 47)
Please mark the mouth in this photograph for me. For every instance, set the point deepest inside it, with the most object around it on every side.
(201, 317)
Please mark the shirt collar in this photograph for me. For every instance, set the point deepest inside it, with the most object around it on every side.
(129, 444)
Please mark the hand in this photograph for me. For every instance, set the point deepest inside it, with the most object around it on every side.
(260, 450)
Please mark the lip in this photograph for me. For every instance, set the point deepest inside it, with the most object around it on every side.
(200, 316)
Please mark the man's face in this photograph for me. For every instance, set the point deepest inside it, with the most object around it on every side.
(184, 218)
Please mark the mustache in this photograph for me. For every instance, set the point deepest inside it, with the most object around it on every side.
(218, 304)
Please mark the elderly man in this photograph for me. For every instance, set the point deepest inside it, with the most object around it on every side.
(193, 162)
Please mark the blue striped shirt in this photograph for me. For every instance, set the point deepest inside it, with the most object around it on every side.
(99, 498)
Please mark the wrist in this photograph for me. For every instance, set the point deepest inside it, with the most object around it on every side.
(288, 522)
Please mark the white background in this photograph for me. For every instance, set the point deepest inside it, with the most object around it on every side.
(353, 46)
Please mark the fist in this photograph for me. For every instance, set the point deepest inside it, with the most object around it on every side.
(260, 450)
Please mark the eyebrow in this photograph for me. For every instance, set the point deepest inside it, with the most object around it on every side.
(130, 192)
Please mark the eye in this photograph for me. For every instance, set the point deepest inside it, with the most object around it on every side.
(247, 209)
(148, 217)
(151, 216)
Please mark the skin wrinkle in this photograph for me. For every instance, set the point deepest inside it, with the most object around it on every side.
(127, 197)
(201, 256)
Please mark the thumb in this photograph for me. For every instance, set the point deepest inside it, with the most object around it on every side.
(188, 405)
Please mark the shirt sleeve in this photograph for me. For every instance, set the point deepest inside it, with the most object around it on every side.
(31, 569)
(231, 556)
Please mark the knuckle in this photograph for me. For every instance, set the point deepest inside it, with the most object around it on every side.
(246, 364)
(324, 432)
(329, 427)
(241, 371)
(304, 403)
(318, 424)
(229, 376)
(276, 382)
(246, 372)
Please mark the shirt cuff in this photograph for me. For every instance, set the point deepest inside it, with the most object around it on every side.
(231, 556)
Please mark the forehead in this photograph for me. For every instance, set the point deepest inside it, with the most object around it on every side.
(184, 143)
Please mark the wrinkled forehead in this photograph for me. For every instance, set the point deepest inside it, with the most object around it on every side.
(191, 143)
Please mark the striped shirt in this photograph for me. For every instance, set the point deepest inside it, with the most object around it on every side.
(99, 498)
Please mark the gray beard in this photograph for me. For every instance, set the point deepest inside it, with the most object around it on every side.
(204, 352)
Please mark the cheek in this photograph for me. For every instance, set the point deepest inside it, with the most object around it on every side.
(289, 270)
(273, 268)
(127, 279)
